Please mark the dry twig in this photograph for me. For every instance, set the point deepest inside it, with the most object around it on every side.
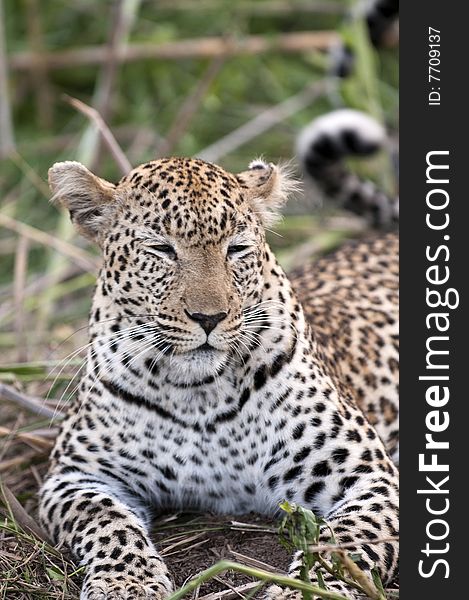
(248, 560)
(20, 515)
(35, 405)
(270, 7)
(114, 148)
(36, 287)
(300, 41)
(7, 142)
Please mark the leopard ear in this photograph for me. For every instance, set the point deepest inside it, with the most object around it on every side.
(267, 187)
(88, 198)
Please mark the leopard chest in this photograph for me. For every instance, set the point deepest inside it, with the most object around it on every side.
(184, 461)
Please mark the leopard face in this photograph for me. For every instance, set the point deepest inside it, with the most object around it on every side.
(183, 246)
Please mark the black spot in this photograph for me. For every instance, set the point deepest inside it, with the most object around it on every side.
(272, 482)
(339, 455)
(322, 469)
(169, 473)
(347, 482)
(371, 553)
(260, 377)
(366, 455)
(313, 490)
(244, 398)
(354, 436)
(298, 431)
(363, 469)
(293, 473)
(380, 489)
(302, 454)
(320, 440)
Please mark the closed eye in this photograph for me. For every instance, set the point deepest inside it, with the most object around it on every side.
(162, 249)
(235, 249)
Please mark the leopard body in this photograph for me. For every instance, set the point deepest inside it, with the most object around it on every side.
(214, 382)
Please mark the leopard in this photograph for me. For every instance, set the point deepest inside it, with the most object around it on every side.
(215, 382)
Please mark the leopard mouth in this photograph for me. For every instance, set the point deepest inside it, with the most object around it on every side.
(205, 347)
(203, 350)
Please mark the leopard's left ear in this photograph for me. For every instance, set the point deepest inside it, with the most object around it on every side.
(267, 187)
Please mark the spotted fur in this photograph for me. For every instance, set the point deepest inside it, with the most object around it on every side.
(211, 384)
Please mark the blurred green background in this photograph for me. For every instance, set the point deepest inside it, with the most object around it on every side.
(167, 98)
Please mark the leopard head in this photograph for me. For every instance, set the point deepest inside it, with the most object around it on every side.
(183, 247)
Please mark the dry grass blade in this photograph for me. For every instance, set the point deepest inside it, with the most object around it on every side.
(35, 405)
(80, 257)
(124, 13)
(182, 542)
(267, 7)
(185, 550)
(231, 593)
(19, 283)
(111, 142)
(37, 286)
(251, 527)
(20, 515)
(248, 560)
(43, 442)
(17, 461)
(359, 576)
(230, 587)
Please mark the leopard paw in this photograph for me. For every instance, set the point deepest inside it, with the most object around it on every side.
(125, 587)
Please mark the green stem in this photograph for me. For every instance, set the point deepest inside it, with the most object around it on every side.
(347, 581)
(282, 580)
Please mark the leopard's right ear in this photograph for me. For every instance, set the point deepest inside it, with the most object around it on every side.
(89, 199)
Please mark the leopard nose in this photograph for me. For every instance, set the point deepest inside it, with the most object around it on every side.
(207, 322)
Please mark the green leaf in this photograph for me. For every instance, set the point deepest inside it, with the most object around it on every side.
(320, 578)
(355, 556)
(377, 580)
(55, 574)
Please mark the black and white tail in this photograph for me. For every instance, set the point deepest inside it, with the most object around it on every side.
(322, 147)
(381, 19)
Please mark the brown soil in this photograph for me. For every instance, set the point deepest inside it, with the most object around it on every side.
(203, 540)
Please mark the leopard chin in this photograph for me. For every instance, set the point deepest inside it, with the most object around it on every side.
(197, 365)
